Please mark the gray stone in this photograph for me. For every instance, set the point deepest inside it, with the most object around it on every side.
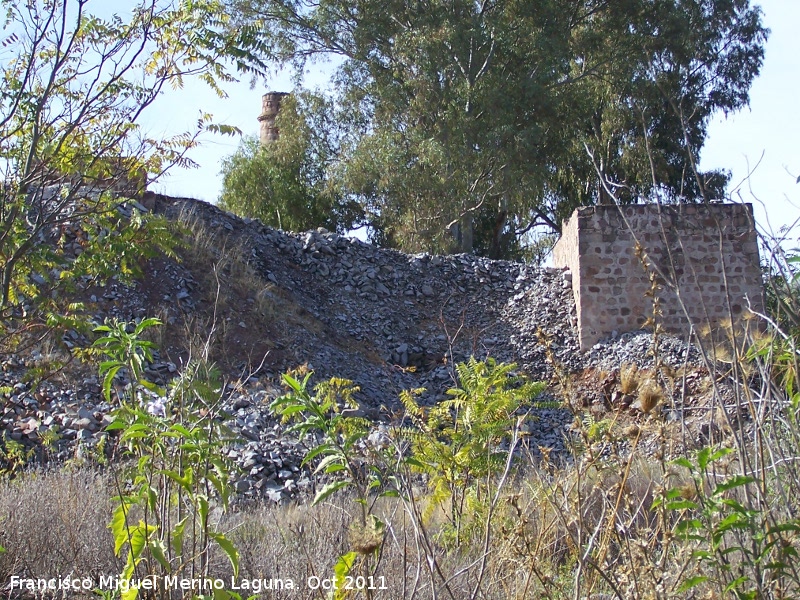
(84, 424)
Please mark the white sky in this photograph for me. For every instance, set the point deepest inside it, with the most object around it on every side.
(764, 139)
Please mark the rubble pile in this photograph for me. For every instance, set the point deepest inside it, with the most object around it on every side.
(388, 321)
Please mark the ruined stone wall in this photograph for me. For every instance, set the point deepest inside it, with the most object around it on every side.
(566, 255)
(705, 254)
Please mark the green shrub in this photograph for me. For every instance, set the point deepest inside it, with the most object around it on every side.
(174, 477)
(738, 548)
(462, 443)
(342, 453)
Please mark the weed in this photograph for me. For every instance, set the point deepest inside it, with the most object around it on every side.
(629, 378)
(649, 395)
(345, 455)
(461, 443)
(164, 504)
(14, 456)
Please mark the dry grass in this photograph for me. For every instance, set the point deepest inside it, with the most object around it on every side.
(649, 395)
(53, 523)
(558, 532)
(629, 378)
(229, 276)
(236, 308)
(56, 523)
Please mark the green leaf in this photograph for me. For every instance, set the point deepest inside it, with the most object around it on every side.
(152, 498)
(229, 549)
(292, 383)
(734, 521)
(139, 538)
(329, 489)
(201, 503)
(158, 550)
(681, 504)
(687, 526)
(185, 481)
(788, 526)
(327, 461)
(116, 424)
(683, 462)
(314, 452)
(410, 460)
(118, 529)
(691, 582)
(146, 324)
(177, 535)
(341, 570)
(292, 409)
(222, 488)
(180, 429)
(736, 583)
(322, 448)
(734, 482)
(221, 594)
(705, 456)
(130, 594)
(334, 468)
(108, 380)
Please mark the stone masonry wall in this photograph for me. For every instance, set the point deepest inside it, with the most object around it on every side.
(706, 255)
(566, 255)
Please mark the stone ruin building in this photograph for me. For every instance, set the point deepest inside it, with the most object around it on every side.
(705, 255)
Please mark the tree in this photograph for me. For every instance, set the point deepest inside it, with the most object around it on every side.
(284, 183)
(503, 111)
(74, 88)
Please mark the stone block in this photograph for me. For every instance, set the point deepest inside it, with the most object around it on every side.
(691, 246)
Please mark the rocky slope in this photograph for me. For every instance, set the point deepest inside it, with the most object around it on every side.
(265, 301)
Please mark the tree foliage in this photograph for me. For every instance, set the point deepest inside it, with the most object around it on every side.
(503, 112)
(284, 183)
(74, 88)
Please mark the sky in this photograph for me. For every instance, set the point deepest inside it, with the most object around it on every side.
(762, 141)
(760, 145)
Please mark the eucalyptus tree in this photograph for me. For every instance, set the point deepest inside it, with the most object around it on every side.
(485, 118)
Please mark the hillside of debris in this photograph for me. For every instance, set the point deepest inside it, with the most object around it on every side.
(262, 301)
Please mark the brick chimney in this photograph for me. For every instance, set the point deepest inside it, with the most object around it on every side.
(270, 106)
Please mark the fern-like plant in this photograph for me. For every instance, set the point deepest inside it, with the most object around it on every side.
(342, 452)
(462, 443)
(340, 447)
